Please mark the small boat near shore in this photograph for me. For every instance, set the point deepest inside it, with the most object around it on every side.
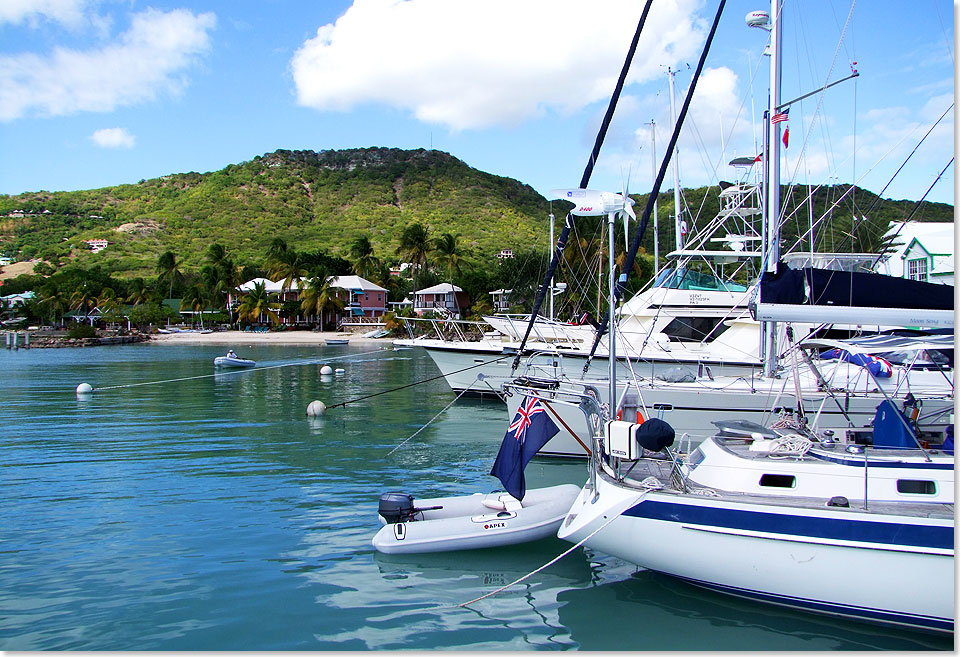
(233, 361)
(335, 341)
(470, 522)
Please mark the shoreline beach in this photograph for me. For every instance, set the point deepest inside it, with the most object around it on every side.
(249, 337)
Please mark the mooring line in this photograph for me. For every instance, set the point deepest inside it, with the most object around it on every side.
(429, 423)
(549, 563)
(416, 383)
(246, 371)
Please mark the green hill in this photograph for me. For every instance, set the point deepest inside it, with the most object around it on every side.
(314, 201)
(324, 201)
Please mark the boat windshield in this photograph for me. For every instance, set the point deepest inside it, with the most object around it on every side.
(688, 279)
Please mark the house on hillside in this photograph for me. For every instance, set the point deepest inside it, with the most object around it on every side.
(501, 300)
(360, 297)
(444, 298)
(924, 252)
(97, 245)
(363, 298)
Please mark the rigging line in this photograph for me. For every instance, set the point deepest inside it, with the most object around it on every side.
(442, 411)
(816, 111)
(416, 383)
(917, 204)
(668, 153)
(827, 212)
(897, 173)
(584, 181)
(246, 371)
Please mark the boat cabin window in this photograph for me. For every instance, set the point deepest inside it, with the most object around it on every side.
(916, 487)
(778, 481)
(695, 329)
(688, 279)
(696, 456)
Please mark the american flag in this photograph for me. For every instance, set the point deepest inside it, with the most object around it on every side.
(781, 116)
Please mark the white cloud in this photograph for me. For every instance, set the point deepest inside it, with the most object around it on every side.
(113, 138)
(70, 13)
(471, 64)
(142, 63)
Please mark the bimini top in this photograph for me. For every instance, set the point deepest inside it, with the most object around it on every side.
(876, 344)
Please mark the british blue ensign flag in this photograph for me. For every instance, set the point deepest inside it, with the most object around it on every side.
(530, 430)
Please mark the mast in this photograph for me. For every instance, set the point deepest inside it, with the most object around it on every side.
(653, 169)
(551, 276)
(772, 209)
(677, 215)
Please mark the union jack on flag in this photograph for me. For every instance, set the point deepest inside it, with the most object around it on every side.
(523, 418)
(780, 116)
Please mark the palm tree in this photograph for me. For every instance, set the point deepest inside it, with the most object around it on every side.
(167, 270)
(137, 292)
(216, 253)
(228, 280)
(83, 300)
(287, 265)
(52, 300)
(415, 246)
(448, 254)
(317, 296)
(256, 303)
(365, 263)
(195, 299)
(277, 247)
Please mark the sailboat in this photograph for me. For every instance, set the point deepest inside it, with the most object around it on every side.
(862, 529)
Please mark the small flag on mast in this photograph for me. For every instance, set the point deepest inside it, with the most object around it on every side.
(780, 116)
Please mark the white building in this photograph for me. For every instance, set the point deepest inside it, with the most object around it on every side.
(924, 251)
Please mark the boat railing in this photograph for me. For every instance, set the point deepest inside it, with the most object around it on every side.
(543, 330)
(446, 330)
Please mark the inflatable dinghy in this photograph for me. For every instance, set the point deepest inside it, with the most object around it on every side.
(443, 524)
(230, 361)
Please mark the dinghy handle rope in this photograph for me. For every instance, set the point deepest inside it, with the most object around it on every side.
(549, 563)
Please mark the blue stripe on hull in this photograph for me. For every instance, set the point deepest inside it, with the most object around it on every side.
(862, 613)
(893, 534)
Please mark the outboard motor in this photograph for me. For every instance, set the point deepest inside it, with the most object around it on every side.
(396, 507)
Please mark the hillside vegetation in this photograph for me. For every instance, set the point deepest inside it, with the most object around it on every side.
(314, 201)
(322, 202)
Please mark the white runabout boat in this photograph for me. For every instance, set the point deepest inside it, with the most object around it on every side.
(470, 522)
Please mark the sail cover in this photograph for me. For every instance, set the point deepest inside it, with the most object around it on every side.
(844, 288)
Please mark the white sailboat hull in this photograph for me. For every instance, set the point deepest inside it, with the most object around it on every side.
(833, 561)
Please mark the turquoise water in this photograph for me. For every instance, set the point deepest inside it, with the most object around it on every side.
(209, 513)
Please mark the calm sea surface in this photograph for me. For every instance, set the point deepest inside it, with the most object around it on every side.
(177, 510)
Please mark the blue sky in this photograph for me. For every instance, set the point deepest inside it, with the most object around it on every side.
(96, 93)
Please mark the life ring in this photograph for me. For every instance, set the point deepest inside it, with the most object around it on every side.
(639, 415)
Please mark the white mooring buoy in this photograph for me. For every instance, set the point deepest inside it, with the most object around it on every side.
(339, 370)
(84, 389)
(315, 408)
(326, 369)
